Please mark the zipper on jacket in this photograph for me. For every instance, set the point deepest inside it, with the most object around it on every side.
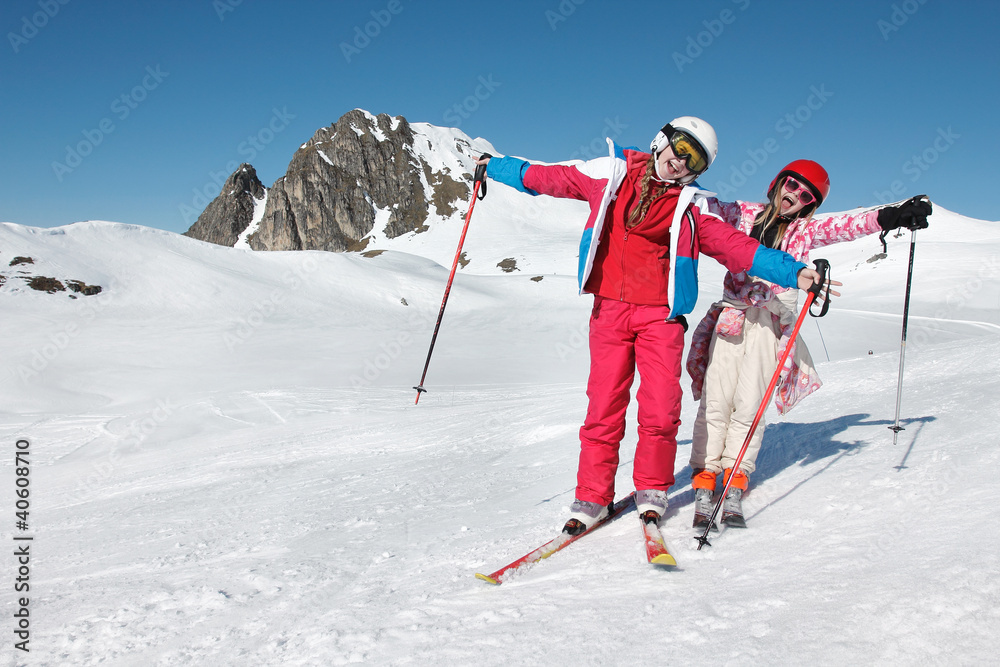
(621, 295)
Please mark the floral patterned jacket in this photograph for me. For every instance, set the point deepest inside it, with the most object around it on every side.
(742, 291)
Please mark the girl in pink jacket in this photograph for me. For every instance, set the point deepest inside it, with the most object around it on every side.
(736, 346)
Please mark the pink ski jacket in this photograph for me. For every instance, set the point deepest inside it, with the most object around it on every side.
(742, 290)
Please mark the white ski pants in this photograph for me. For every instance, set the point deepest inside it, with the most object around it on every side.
(739, 370)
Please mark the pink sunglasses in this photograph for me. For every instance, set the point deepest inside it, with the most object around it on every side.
(805, 196)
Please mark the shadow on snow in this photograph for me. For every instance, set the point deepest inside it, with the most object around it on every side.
(786, 444)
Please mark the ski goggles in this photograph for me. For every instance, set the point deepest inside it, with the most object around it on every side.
(688, 150)
(805, 196)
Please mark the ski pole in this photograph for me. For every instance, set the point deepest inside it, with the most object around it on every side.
(823, 267)
(896, 428)
(479, 179)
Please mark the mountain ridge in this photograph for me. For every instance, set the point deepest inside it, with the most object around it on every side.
(361, 177)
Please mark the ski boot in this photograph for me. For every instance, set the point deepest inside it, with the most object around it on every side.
(583, 516)
(703, 506)
(703, 483)
(732, 509)
(651, 505)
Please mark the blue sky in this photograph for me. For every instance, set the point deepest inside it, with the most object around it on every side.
(136, 111)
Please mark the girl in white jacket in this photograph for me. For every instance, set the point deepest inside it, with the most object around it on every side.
(735, 348)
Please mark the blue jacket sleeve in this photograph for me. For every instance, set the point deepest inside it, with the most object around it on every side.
(509, 171)
(776, 266)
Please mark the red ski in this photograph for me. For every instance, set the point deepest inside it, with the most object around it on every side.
(656, 548)
(549, 548)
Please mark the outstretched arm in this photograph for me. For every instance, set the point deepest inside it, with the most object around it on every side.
(534, 179)
(911, 214)
(830, 229)
(738, 252)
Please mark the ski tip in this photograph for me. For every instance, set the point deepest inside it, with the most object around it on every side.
(488, 579)
(664, 559)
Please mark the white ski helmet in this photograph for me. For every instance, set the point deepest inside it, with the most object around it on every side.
(697, 129)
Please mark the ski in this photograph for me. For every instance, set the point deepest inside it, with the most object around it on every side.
(701, 521)
(656, 549)
(552, 546)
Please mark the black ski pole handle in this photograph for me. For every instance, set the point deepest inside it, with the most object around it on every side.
(823, 267)
(480, 176)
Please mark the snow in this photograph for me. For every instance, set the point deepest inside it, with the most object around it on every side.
(382, 216)
(439, 148)
(373, 125)
(259, 205)
(227, 465)
(325, 158)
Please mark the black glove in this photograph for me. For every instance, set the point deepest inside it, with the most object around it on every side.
(481, 176)
(911, 214)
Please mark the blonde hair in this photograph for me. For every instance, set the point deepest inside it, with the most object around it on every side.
(645, 194)
(770, 216)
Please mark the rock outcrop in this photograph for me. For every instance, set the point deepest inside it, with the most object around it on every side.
(358, 177)
(229, 214)
(43, 283)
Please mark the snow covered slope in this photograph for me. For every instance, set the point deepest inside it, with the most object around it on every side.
(227, 466)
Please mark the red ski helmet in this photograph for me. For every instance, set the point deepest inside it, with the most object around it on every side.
(810, 173)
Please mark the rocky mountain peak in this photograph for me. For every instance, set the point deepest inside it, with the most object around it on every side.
(226, 216)
(358, 177)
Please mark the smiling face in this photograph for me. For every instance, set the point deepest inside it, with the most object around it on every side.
(670, 167)
(789, 203)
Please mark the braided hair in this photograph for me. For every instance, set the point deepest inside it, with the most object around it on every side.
(645, 194)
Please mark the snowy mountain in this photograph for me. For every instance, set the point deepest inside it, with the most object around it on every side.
(235, 213)
(361, 179)
(227, 466)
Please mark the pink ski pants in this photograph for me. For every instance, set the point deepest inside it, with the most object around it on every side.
(624, 338)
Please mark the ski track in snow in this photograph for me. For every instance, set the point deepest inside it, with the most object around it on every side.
(210, 487)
